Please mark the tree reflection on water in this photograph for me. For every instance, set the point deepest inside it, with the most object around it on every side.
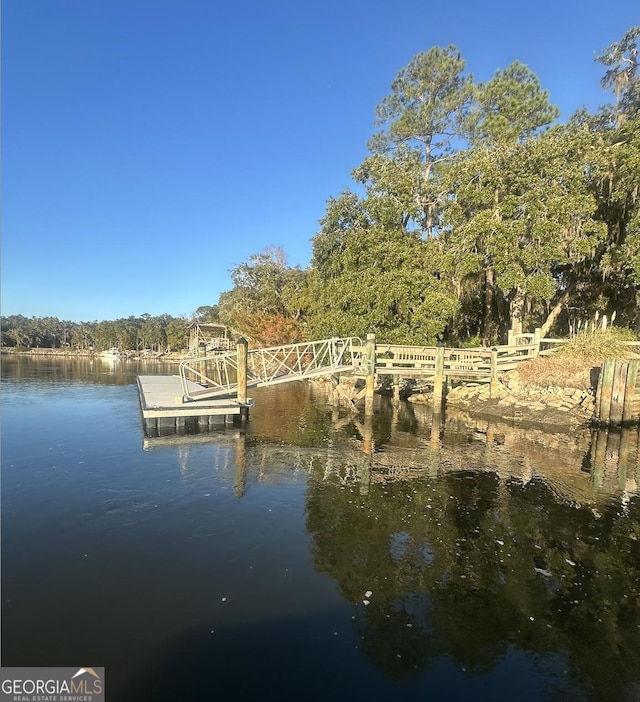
(480, 542)
(508, 544)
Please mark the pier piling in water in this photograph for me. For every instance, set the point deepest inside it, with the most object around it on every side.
(242, 348)
(370, 379)
(438, 380)
(617, 395)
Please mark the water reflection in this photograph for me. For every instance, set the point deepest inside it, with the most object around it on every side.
(492, 546)
(407, 441)
(466, 552)
(473, 566)
(482, 543)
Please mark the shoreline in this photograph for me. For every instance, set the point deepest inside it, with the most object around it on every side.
(172, 357)
(567, 408)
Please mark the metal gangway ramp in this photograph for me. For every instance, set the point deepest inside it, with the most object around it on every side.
(217, 374)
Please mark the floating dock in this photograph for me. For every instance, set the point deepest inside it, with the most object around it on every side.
(162, 405)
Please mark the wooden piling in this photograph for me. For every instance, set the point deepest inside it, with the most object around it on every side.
(617, 397)
(370, 380)
(605, 383)
(537, 335)
(242, 348)
(438, 380)
(630, 392)
(618, 392)
(202, 353)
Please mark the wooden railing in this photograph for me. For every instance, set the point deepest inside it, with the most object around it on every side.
(473, 362)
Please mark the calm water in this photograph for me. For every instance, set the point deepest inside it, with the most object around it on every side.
(312, 555)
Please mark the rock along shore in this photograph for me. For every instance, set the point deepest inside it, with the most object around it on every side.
(517, 401)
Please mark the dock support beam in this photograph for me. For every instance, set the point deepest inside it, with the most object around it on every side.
(370, 357)
(242, 348)
(438, 380)
(630, 390)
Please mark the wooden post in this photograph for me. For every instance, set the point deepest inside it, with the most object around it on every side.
(618, 392)
(605, 383)
(396, 389)
(370, 356)
(510, 337)
(493, 380)
(537, 334)
(630, 392)
(242, 349)
(438, 381)
(202, 366)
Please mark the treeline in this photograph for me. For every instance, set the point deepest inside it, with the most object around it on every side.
(157, 333)
(474, 212)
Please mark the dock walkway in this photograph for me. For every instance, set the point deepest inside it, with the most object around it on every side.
(212, 388)
(161, 402)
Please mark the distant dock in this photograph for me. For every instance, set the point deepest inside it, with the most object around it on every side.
(164, 411)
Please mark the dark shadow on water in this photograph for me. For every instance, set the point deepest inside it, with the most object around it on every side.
(293, 659)
(302, 658)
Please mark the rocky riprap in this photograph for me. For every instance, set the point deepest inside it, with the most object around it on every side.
(516, 400)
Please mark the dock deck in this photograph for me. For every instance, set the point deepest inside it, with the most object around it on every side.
(161, 398)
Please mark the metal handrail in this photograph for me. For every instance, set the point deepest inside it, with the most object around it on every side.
(217, 373)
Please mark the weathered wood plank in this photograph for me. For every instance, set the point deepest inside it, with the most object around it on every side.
(631, 393)
(605, 384)
(618, 392)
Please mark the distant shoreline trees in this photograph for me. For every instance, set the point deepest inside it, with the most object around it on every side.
(159, 333)
(156, 333)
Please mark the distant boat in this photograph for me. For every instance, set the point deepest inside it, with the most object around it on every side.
(111, 353)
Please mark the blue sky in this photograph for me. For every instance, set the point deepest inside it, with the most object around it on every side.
(148, 146)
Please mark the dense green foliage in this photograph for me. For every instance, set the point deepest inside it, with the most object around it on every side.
(474, 213)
